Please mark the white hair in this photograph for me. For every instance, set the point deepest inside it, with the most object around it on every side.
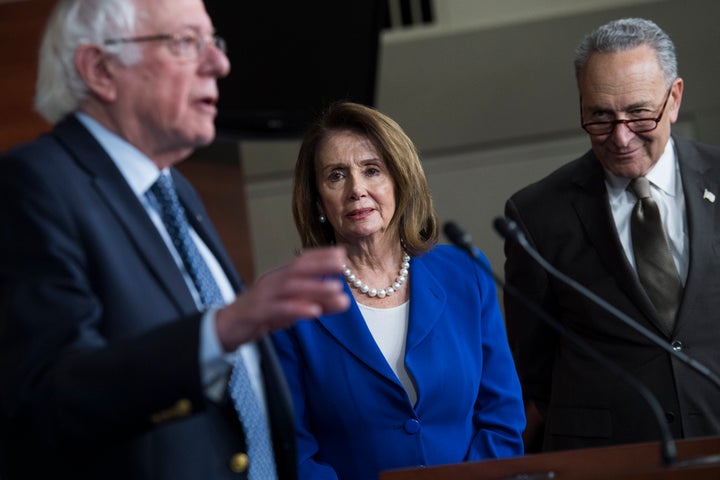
(59, 88)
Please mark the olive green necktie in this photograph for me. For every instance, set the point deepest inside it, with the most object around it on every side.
(655, 265)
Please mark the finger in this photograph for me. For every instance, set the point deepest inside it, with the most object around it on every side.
(288, 312)
(321, 261)
(310, 288)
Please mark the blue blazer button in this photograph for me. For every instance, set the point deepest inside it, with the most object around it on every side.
(412, 426)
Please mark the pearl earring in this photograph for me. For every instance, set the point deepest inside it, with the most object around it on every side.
(322, 218)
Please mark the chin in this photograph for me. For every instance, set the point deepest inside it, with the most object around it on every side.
(204, 138)
(632, 172)
(627, 168)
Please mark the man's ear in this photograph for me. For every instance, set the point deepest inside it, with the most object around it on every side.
(676, 93)
(95, 67)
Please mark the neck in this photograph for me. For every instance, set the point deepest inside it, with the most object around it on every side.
(379, 278)
(375, 254)
(161, 157)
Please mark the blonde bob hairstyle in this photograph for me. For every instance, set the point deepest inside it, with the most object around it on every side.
(414, 219)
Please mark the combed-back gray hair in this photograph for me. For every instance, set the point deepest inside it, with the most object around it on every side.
(626, 34)
(59, 89)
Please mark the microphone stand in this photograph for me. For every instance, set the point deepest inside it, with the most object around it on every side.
(668, 450)
(510, 231)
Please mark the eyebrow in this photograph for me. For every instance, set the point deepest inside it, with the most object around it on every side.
(333, 166)
(598, 109)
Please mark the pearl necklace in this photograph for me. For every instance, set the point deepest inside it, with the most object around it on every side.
(383, 292)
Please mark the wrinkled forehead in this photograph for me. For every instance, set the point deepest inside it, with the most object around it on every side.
(615, 73)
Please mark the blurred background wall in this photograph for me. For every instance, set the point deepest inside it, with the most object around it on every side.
(485, 88)
(487, 92)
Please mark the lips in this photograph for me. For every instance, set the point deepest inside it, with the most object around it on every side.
(207, 95)
(626, 152)
(359, 213)
(207, 104)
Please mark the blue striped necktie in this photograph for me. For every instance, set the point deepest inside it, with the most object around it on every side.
(262, 463)
(165, 199)
(173, 216)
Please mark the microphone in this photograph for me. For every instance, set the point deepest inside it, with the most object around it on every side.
(509, 230)
(461, 239)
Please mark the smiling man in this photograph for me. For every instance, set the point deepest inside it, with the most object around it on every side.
(634, 220)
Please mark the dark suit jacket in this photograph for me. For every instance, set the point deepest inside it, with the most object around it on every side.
(99, 374)
(567, 218)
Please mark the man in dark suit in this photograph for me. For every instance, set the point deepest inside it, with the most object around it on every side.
(113, 363)
(579, 219)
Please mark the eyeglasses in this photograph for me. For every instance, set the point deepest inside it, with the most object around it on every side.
(187, 45)
(635, 125)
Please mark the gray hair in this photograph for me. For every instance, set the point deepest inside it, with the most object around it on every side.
(59, 88)
(625, 34)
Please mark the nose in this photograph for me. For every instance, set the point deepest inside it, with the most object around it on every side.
(217, 62)
(356, 187)
(622, 134)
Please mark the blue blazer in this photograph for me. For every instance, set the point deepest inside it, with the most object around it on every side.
(99, 334)
(354, 416)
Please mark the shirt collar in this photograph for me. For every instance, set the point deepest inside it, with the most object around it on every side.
(139, 171)
(663, 174)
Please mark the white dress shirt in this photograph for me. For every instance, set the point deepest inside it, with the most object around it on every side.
(388, 327)
(667, 191)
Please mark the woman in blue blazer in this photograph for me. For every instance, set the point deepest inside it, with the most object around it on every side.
(418, 370)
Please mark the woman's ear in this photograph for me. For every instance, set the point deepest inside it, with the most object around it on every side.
(321, 216)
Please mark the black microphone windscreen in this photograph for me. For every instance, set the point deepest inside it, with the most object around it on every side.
(506, 228)
(457, 235)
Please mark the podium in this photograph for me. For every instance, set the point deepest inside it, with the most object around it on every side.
(697, 459)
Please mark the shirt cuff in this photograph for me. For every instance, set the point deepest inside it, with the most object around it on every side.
(215, 364)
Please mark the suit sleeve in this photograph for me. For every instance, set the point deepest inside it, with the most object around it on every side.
(63, 383)
(307, 446)
(532, 341)
(498, 415)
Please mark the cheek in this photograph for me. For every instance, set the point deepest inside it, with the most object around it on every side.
(176, 100)
(331, 202)
(158, 102)
(655, 150)
(171, 95)
(389, 196)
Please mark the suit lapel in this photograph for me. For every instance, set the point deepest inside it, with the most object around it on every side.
(593, 208)
(197, 217)
(120, 199)
(428, 302)
(349, 330)
(701, 215)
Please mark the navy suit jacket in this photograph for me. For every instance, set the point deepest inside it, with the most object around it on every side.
(99, 334)
(354, 416)
(567, 218)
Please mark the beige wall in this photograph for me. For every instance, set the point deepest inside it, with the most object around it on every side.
(492, 108)
(458, 14)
